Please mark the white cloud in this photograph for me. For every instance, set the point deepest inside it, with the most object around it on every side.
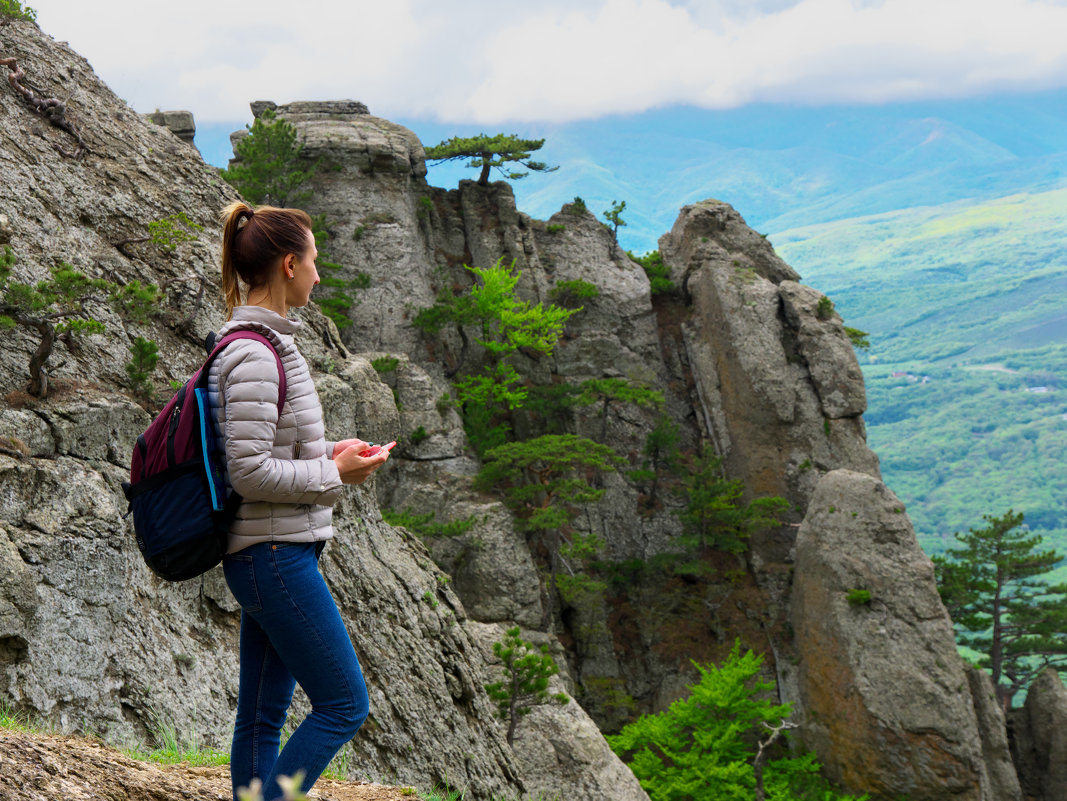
(488, 61)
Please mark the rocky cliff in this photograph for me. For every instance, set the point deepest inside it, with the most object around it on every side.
(753, 368)
(89, 639)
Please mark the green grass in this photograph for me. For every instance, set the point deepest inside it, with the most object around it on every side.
(172, 747)
(17, 721)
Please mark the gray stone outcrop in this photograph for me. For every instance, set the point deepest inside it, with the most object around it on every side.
(1000, 774)
(180, 123)
(885, 702)
(1039, 738)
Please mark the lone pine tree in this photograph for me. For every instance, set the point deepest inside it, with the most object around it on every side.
(491, 152)
(1002, 607)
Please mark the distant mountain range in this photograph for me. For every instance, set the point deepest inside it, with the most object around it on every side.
(780, 167)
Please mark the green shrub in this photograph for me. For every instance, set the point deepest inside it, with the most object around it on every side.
(659, 275)
(572, 292)
(385, 364)
(169, 232)
(556, 228)
(702, 747)
(859, 597)
(13, 9)
(418, 435)
(425, 525)
(825, 308)
(144, 355)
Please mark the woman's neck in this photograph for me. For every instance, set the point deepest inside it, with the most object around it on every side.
(266, 299)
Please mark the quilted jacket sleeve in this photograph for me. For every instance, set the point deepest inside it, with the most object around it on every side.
(249, 385)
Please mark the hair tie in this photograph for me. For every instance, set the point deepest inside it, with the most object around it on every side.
(244, 217)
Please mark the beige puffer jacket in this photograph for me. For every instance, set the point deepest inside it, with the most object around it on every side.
(281, 467)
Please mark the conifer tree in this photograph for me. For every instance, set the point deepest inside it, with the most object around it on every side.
(268, 169)
(1001, 606)
(615, 220)
(491, 152)
(60, 305)
(545, 481)
(525, 685)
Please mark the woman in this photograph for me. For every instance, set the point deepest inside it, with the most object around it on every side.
(288, 477)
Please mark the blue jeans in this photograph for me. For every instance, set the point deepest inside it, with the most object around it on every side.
(291, 632)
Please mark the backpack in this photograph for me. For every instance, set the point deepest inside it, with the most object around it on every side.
(176, 492)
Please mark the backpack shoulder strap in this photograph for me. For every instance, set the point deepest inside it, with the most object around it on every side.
(246, 334)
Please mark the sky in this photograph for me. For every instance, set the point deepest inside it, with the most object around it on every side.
(492, 62)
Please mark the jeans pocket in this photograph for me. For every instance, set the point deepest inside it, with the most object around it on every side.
(240, 574)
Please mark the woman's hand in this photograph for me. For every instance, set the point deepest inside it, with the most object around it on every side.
(356, 469)
(344, 444)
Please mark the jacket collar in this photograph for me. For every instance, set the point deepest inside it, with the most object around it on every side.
(258, 314)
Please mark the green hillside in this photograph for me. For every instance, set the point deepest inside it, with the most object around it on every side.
(966, 305)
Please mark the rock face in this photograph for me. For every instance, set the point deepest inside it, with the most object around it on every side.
(886, 703)
(1001, 777)
(88, 637)
(1039, 743)
(752, 365)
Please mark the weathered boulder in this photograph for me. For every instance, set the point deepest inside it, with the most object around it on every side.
(1039, 739)
(884, 699)
(180, 123)
(1001, 778)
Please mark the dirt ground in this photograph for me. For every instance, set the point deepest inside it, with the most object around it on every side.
(43, 767)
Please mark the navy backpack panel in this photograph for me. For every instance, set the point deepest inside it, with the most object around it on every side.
(176, 489)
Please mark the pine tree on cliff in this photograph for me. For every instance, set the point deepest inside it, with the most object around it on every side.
(63, 306)
(268, 169)
(489, 152)
(994, 590)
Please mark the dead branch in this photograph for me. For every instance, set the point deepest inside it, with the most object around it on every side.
(121, 245)
(51, 108)
(757, 764)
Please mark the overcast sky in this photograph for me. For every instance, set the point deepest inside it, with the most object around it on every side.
(495, 61)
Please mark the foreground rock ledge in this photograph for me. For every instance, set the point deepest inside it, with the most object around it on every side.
(41, 767)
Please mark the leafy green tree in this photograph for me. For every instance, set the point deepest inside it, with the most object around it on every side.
(701, 748)
(525, 685)
(60, 306)
(268, 167)
(607, 391)
(661, 456)
(13, 9)
(1001, 606)
(659, 276)
(491, 152)
(504, 325)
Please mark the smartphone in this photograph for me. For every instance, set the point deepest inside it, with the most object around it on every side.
(376, 449)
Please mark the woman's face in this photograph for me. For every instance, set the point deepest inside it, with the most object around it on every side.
(305, 275)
